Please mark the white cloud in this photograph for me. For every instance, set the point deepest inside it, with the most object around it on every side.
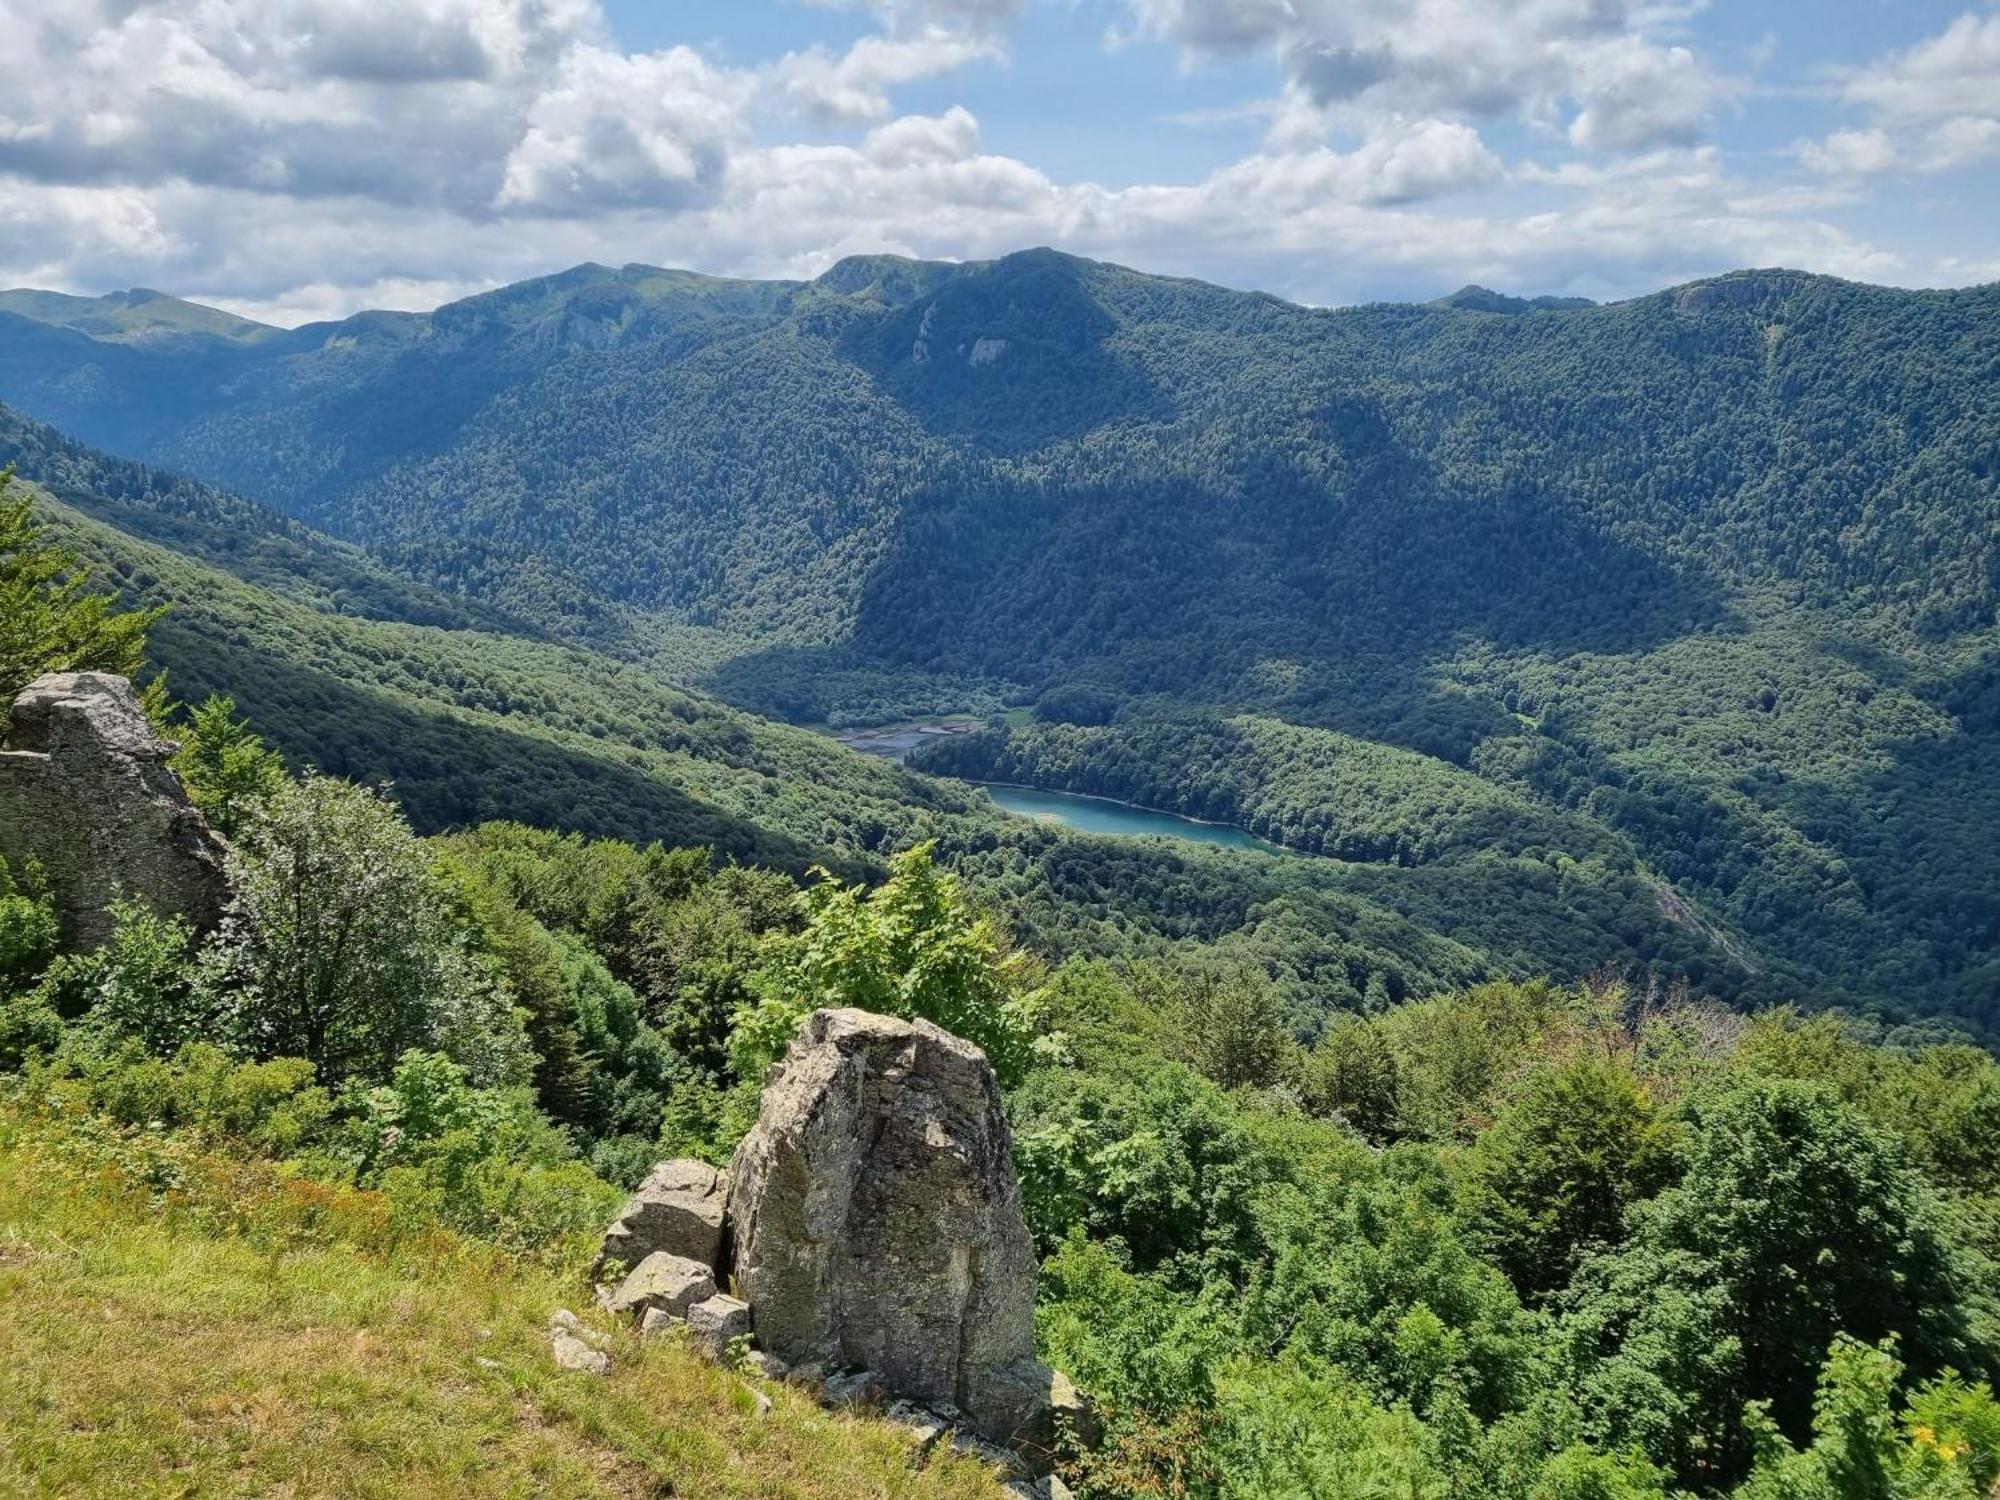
(1937, 105)
(303, 97)
(1961, 142)
(1635, 95)
(854, 86)
(902, 13)
(1593, 63)
(1425, 160)
(917, 139)
(1956, 72)
(1851, 152)
(626, 130)
(291, 161)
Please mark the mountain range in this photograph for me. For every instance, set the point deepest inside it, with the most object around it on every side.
(1662, 629)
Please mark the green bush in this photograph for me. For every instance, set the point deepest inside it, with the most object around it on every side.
(341, 944)
(912, 947)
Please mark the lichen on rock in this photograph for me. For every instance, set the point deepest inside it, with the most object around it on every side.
(87, 794)
(876, 1221)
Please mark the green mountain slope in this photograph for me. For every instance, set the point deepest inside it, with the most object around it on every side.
(474, 724)
(1713, 572)
(138, 316)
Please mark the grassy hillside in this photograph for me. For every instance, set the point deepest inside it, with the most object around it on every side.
(186, 1324)
(138, 316)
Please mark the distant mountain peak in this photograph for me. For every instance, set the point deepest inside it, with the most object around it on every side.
(137, 315)
(1475, 298)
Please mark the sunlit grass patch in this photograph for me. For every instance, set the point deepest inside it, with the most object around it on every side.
(148, 1349)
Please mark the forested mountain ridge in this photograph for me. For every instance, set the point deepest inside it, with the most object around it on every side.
(1760, 428)
(1711, 572)
(467, 724)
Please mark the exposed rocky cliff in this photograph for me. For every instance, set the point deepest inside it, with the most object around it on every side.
(86, 792)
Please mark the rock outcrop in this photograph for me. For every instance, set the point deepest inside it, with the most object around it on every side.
(877, 1225)
(86, 791)
(870, 1237)
(665, 1283)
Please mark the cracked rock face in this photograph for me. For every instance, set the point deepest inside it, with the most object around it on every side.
(678, 1209)
(877, 1223)
(86, 791)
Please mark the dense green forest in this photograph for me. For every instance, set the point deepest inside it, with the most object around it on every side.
(1700, 586)
(472, 724)
(1505, 1241)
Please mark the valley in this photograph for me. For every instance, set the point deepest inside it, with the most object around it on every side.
(1420, 848)
(1472, 596)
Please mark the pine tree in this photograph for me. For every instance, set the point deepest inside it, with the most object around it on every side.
(51, 619)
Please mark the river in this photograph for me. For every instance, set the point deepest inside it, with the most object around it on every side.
(1102, 815)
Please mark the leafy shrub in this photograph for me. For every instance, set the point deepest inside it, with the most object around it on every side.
(1551, 1179)
(340, 944)
(912, 947)
(28, 929)
(229, 773)
(52, 617)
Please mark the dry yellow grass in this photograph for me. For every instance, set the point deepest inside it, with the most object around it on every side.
(145, 1351)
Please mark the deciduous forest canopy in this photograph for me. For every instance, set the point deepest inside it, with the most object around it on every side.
(1586, 1096)
(1687, 601)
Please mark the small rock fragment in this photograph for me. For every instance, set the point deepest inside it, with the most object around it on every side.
(811, 1377)
(759, 1403)
(971, 1446)
(716, 1321)
(572, 1353)
(925, 1427)
(671, 1283)
(677, 1209)
(855, 1388)
(656, 1322)
(562, 1320)
(767, 1365)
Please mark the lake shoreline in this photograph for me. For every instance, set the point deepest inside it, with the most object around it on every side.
(1256, 842)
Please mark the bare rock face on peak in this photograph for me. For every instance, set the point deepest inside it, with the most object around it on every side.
(876, 1222)
(85, 790)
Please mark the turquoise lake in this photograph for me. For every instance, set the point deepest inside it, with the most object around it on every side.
(1097, 815)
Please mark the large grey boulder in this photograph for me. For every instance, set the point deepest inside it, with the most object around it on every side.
(877, 1223)
(677, 1209)
(85, 789)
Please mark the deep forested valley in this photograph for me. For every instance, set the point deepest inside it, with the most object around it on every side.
(1589, 1097)
(1694, 592)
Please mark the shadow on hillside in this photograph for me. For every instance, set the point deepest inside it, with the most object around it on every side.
(451, 772)
(1215, 592)
(1918, 835)
(1007, 359)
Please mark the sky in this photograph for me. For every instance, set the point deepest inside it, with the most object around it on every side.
(301, 159)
